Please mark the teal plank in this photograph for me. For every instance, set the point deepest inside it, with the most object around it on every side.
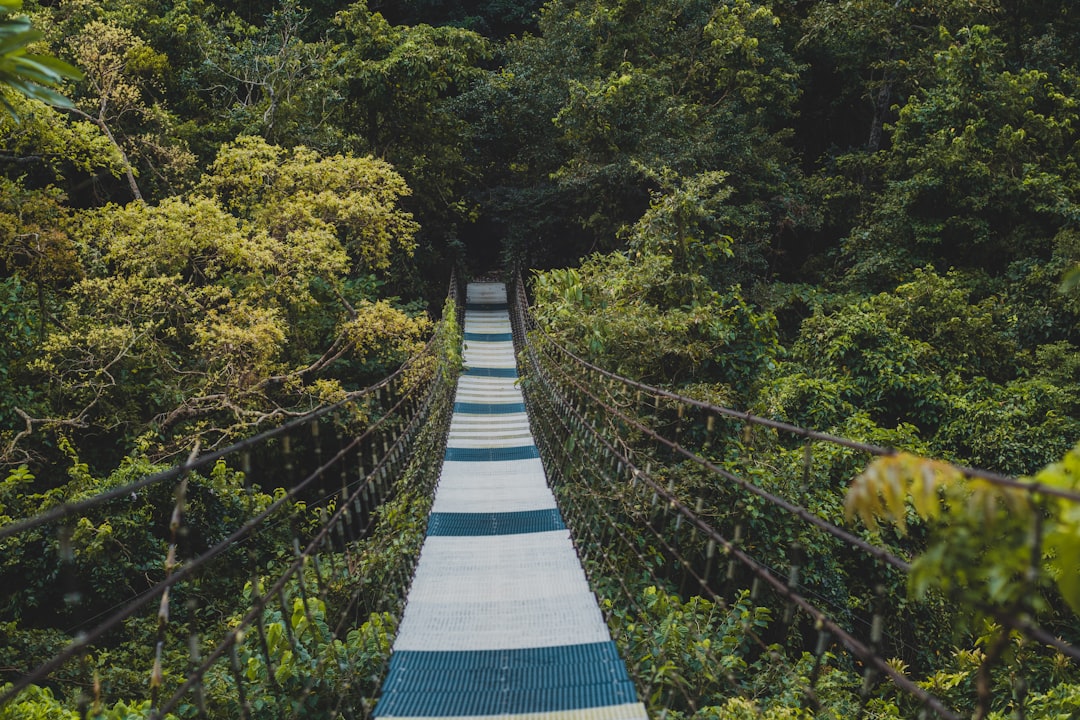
(491, 372)
(501, 523)
(493, 682)
(467, 408)
(524, 452)
(488, 337)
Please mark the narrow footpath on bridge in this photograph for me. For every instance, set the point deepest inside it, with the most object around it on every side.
(500, 619)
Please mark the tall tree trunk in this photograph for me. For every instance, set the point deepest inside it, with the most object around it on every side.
(129, 172)
(884, 94)
(881, 106)
(41, 311)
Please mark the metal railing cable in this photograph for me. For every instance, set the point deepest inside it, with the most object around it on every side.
(602, 413)
(1032, 487)
(876, 552)
(762, 573)
(196, 461)
(798, 511)
(559, 419)
(594, 528)
(378, 473)
(391, 443)
(879, 553)
(579, 423)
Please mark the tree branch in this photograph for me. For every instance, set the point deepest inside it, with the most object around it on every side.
(129, 171)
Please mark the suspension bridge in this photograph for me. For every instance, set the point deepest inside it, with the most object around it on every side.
(495, 530)
(500, 619)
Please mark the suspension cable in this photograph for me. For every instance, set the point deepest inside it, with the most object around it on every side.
(1033, 487)
(550, 364)
(404, 417)
(195, 461)
(821, 619)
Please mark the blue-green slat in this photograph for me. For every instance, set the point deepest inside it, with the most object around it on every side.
(488, 337)
(491, 372)
(525, 452)
(585, 653)
(461, 524)
(486, 700)
(467, 408)
(492, 682)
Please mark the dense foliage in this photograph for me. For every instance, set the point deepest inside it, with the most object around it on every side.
(859, 216)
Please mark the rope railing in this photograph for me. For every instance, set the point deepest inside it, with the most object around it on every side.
(318, 571)
(1031, 487)
(618, 446)
(760, 571)
(376, 478)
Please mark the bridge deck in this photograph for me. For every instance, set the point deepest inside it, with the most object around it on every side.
(500, 620)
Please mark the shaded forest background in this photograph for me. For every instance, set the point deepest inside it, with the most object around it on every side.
(858, 216)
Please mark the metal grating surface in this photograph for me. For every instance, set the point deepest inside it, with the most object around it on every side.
(509, 681)
(500, 621)
(500, 523)
(478, 623)
(488, 337)
(629, 711)
(523, 452)
(488, 497)
(508, 423)
(469, 408)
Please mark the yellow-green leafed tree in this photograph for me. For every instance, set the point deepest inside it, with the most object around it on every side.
(251, 299)
(350, 202)
(121, 95)
(1001, 553)
(983, 533)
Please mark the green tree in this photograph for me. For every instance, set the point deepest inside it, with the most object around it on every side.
(122, 73)
(867, 53)
(270, 80)
(982, 170)
(34, 75)
(983, 553)
(636, 314)
(47, 145)
(929, 356)
(399, 81)
(638, 92)
(242, 302)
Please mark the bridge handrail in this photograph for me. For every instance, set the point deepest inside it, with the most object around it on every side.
(183, 573)
(569, 385)
(195, 461)
(1034, 487)
(381, 474)
(797, 510)
(317, 540)
(762, 572)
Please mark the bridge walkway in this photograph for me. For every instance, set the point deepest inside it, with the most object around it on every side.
(500, 620)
